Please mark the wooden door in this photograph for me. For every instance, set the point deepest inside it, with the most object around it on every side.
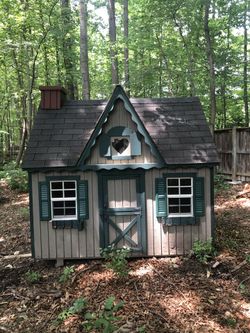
(122, 213)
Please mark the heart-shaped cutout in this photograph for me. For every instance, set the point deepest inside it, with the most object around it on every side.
(120, 145)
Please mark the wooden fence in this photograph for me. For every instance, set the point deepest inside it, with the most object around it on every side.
(233, 146)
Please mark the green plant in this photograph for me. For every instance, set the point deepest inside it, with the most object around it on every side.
(204, 251)
(104, 320)
(77, 307)
(33, 277)
(116, 259)
(220, 183)
(231, 322)
(248, 258)
(65, 276)
(15, 177)
(24, 212)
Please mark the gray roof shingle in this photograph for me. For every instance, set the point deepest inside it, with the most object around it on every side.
(177, 126)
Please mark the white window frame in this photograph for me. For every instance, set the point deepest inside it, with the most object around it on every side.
(63, 198)
(180, 196)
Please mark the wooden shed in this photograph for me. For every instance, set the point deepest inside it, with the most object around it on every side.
(125, 172)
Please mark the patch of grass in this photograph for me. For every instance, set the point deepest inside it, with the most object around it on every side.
(204, 251)
(33, 277)
(220, 183)
(16, 178)
(231, 322)
(25, 213)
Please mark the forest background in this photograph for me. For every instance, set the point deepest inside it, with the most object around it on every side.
(154, 48)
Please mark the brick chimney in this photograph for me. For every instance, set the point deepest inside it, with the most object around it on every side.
(52, 97)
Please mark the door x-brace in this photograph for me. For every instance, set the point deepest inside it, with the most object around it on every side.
(123, 233)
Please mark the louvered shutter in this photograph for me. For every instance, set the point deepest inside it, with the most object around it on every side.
(160, 197)
(199, 197)
(44, 201)
(83, 200)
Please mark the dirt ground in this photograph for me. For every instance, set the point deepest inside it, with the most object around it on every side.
(159, 295)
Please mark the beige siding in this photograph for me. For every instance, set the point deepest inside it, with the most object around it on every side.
(120, 117)
(52, 243)
(162, 240)
(174, 240)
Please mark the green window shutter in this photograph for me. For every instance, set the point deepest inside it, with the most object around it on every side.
(199, 203)
(104, 147)
(160, 197)
(44, 201)
(83, 200)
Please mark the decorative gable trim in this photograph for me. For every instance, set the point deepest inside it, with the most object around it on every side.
(105, 143)
(119, 93)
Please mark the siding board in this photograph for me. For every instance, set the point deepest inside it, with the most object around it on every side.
(179, 240)
(67, 243)
(52, 242)
(149, 189)
(157, 226)
(36, 216)
(75, 243)
(187, 229)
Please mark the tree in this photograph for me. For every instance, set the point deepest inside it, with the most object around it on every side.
(67, 48)
(126, 50)
(210, 60)
(245, 70)
(112, 39)
(84, 49)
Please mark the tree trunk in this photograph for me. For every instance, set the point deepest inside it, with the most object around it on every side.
(126, 52)
(67, 48)
(22, 144)
(245, 70)
(210, 59)
(84, 49)
(189, 56)
(45, 49)
(112, 38)
(58, 67)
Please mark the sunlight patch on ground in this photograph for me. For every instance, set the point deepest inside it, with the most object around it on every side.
(181, 302)
(7, 319)
(243, 202)
(142, 271)
(245, 309)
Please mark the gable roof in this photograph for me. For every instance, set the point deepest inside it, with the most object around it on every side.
(175, 128)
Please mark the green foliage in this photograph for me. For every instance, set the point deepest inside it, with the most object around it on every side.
(33, 277)
(167, 54)
(16, 178)
(248, 258)
(77, 307)
(104, 320)
(231, 322)
(220, 184)
(116, 259)
(24, 212)
(203, 251)
(65, 276)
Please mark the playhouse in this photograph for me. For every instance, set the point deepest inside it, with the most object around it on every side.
(134, 172)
